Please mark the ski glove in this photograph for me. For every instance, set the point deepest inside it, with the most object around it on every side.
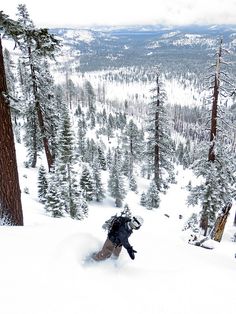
(131, 252)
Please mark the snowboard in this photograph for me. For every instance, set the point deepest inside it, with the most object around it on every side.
(89, 261)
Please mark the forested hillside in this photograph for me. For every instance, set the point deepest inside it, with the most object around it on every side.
(96, 119)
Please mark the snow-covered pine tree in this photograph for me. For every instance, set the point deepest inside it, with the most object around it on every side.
(109, 159)
(127, 166)
(67, 197)
(36, 45)
(132, 140)
(132, 183)
(102, 159)
(116, 185)
(90, 99)
(99, 192)
(186, 160)
(65, 162)
(42, 184)
(215, 160)
(152, 196)
(143, 199)
(82, 128)
(110, 126)
(87, 184)
(180, 153)
(91, 151)
(83, 209)
(160, 145)
(54, 203)
(132, 143)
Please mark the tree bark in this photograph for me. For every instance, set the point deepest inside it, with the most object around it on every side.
(214, 110)
(157, 140)
(40, 114)
(10, 194)
(220, 223)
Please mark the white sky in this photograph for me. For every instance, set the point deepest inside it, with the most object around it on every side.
(46, 13)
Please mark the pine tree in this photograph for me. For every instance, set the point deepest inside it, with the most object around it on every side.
(101, 159)
(218, 185)
(82, 137)
(132, 140)
(54, 203)
(98, 186)
(127, 166)
(87, 184)
(215, 161)
(90, 98)
(91, 151)
(152, 197)
(160, 146)
(64, 179)
(116, 181)
(83, 209)
(42, 184)
(36, 45)
(143, 200)
(132, 183)
(110, 126)
(186, 160)
(180, 153)
(109, 159)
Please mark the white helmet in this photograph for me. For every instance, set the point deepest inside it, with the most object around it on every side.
(136, 222)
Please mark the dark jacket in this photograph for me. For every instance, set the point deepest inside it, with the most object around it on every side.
(119, 234)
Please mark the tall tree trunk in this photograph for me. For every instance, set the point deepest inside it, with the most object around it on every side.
(156, 147)
(214, 110)
(10, 194)
(220, 223)
(40, 114)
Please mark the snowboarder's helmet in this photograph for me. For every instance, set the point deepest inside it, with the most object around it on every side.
(136, 222)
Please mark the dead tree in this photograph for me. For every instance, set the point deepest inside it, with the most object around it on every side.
(157, 136)
(220, 223)
(215, 100)
(10, 194)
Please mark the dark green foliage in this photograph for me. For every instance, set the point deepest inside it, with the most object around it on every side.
(82, 137)
(143, 200)
(87, 184)
(99, 192)
(160, 146)
(42, 184)
(101, 159)
(127, 167)
(219, 181)
(116, 181)
(192, 223)
(132, 183)
(109, 159)
(53, 203)
(152, 197)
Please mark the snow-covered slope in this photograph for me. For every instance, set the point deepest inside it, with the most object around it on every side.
(42, 269)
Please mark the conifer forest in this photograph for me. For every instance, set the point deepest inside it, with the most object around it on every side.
(98, 110)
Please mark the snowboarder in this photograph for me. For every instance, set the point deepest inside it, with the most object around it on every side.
(120, 231)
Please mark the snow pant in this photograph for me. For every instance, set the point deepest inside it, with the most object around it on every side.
(107, 250)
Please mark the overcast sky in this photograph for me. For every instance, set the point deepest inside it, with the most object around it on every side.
(47, 13)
